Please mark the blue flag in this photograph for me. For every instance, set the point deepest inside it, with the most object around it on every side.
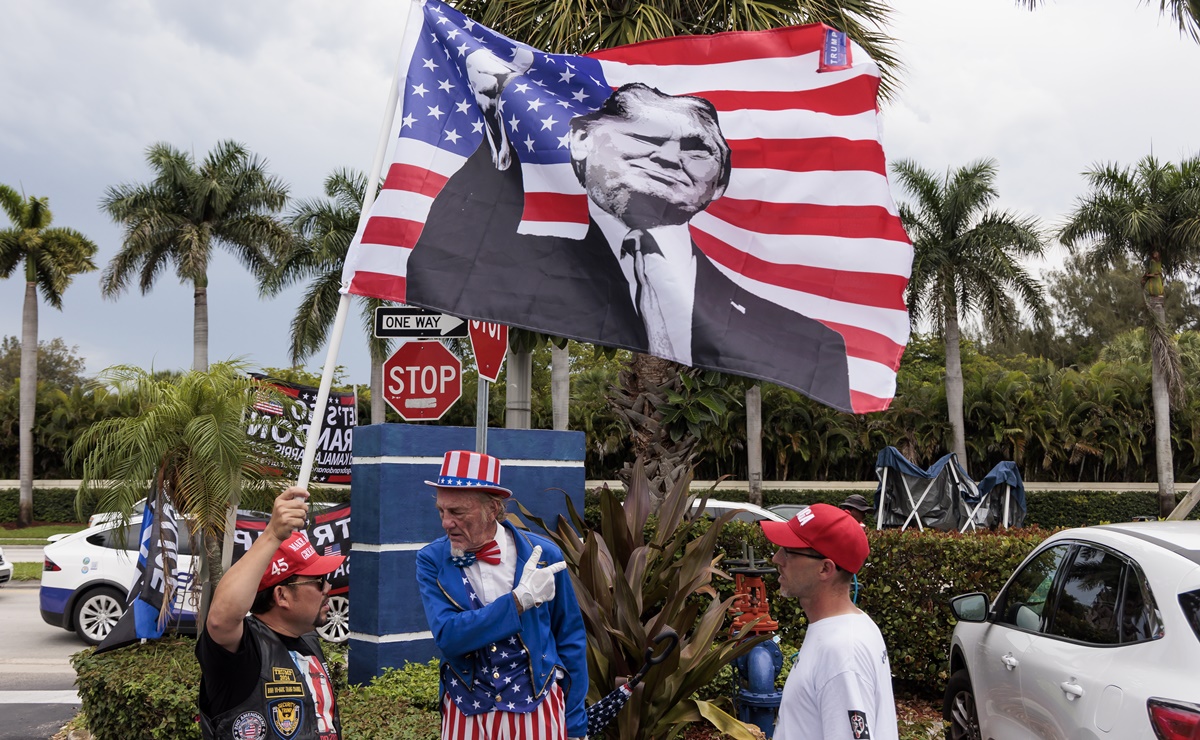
(150, 597)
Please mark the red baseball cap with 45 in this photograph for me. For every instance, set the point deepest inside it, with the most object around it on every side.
(298, 557)
(826, 529)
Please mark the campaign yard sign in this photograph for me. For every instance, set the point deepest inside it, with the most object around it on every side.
(335, 447)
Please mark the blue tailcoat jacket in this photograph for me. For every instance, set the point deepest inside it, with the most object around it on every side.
(553, 633)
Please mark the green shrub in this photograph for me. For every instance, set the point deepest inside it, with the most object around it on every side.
(400, 704)
(49, 505)
(145, 691)
(415, 684)
(1058, 509)
(150, 691)
(1045, 509)
(905, 587)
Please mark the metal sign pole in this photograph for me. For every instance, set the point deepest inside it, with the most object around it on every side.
(481, 417)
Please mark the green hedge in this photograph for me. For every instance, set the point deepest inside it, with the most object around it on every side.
(149, 691)
(49, 505)
(1046, 509)
(905, 587)
(1054, 509)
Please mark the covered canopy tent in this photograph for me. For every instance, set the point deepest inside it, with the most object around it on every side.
(933, 498)
(1001, 497)
(944, 497)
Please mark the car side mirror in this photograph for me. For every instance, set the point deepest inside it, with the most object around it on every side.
(970, 607)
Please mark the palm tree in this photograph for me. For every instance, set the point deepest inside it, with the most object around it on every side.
(1185, 13)
(229, 199)
(187, 437)
(1150, 213)
(52, 258)
(324, 230)
(588, 26)
(966, 263)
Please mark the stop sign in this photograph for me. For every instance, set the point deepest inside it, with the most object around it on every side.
(422, 380)
(489, 342)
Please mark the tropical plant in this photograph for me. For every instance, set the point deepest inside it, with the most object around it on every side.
(228, 200)
(1185, 13)
(52, 257)
(186, 442)
(588, 26)
(324, 230)
(966, 262)
(56, 362)
(667, 413)
(1150, 213)
(630, 588)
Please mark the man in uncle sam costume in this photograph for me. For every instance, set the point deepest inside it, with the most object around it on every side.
(502, 610)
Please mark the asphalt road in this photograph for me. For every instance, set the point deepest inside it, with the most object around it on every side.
(23, 553)
(37, 683)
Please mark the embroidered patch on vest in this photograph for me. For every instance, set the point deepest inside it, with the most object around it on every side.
(858, 725)
(280, 689)
(286, 717)
(249, 726)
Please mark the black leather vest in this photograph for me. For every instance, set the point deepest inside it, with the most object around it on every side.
(283, 706)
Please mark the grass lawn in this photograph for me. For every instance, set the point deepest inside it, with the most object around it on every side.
(27, 571)
(35, 535)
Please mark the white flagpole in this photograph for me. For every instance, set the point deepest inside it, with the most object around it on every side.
(339, 320)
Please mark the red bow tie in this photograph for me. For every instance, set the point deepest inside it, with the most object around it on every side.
(489, 553)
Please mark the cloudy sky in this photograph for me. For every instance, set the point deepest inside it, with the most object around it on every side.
(87, 86)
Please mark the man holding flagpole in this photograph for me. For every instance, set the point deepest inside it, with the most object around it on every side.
(503, 612)
(267, 670)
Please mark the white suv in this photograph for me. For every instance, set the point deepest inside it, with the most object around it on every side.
(1096, 634)
(746, 512)
(86, 577)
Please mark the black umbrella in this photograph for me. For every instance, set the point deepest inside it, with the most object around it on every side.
(605, 710)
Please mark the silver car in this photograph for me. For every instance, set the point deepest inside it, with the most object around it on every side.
(1096, 635)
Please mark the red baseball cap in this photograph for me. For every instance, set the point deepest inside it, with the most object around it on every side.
(826, 529)
(298, 557)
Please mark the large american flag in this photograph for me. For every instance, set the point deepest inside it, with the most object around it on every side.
(807, 221)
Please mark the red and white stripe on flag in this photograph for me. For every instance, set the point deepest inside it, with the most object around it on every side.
(547, 722)
(807, 221)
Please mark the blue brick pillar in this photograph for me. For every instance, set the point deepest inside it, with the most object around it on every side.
(394, 517)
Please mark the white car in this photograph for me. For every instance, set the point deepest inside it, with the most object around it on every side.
(745, 512)
(6, 569)
(86, 577)
(1096, 635)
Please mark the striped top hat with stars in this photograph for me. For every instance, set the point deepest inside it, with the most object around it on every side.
(470, 471)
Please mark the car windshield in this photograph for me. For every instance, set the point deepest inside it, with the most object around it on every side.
(1190, 602)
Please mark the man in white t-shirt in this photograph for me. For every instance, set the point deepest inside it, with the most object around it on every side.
(841, 685)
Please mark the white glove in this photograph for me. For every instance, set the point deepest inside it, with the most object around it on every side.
(578, 738)
(536, 586)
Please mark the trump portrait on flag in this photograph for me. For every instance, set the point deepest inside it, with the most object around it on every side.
(617, 199)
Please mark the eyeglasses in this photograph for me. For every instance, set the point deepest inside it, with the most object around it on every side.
(801, 553)
(320, 582)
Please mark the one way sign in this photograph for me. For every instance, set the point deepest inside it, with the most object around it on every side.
(410, 322)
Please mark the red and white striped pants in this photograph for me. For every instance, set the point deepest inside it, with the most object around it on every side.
(547, 722)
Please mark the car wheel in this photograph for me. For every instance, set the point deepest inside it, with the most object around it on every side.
(97, 613)
(958, 708)
(337, 629)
